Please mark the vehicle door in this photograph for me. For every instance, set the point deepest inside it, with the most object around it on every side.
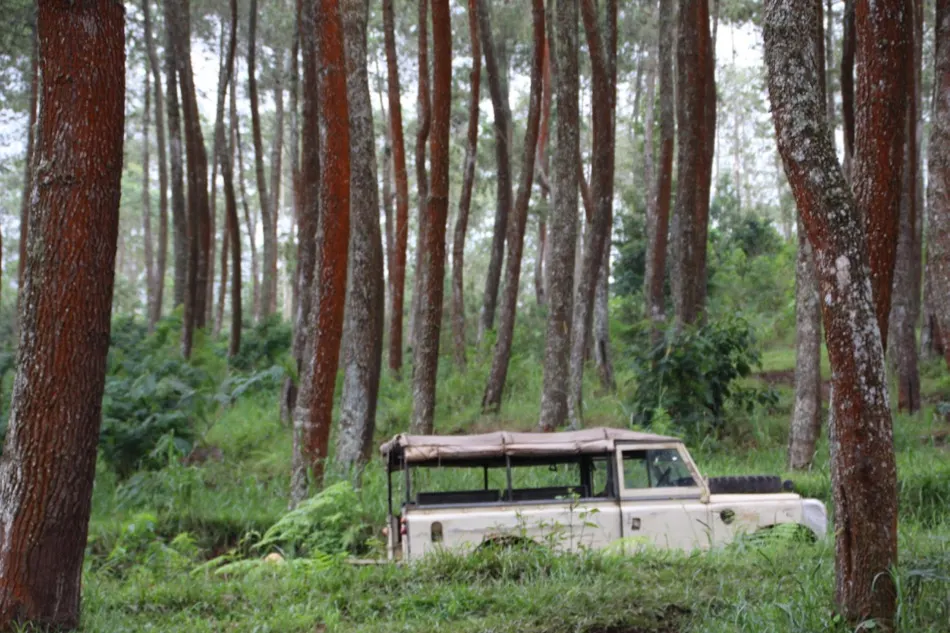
(663, 502)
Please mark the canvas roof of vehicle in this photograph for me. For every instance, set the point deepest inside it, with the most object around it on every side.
(484, 447)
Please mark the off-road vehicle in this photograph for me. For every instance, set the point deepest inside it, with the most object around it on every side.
(594, 488)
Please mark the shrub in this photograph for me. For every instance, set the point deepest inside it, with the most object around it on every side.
(691, 375)
(330, 522)
(265, 345)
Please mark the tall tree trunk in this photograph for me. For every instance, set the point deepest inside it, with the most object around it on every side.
(307, 220)
(491, 400)
(249, 220)
(155, 309)
(147, 204)
(365, 296)
(540, 286)
(28, 163)
(847, 85)
(220, 154)
(224, 153)
(806, 413)
(465, 198)
(829, 34)
(176, 161)
(691, 213)
(903, 317)
(49, 457)
(883, 50)
(213, 204)
(938, 194)
(402, 192)
(424, 101)
(277, 152)
(199, 238)
(314, 411)
(598, 227)
(563, 221)
(502, 112)
(863, 473)
(268, 286)
(658, 213)
(426, 356)
(601, 329)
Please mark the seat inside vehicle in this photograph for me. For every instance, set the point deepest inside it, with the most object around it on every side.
(458, 496)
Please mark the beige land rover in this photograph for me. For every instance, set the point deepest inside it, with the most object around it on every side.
(594, 488)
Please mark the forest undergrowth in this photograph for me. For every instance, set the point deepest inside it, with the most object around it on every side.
(190, 508)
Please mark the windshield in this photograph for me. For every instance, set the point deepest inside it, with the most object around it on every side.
(660, 468)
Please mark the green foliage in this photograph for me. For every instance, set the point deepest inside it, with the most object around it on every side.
(264, 345)
(692, 373)
(630, 266)
(330, 522)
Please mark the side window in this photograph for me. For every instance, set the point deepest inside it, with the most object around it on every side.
(635, 472)
(660, 468)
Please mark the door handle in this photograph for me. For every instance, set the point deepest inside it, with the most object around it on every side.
(635, 523)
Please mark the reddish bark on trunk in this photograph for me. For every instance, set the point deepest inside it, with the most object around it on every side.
(465, 199)
(863, 472)
(883, 36)
(658, 230)
(491, 400)
(314, 410)
(938, 194)
(402, 192)
(426, 358)
(49, 456)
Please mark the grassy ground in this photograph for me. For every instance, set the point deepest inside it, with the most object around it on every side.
(151, 534)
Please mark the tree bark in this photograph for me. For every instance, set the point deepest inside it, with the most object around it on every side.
(232, 242)
(155, 309)
(883, 37)
(491, 400)
(692, 207)
(199, 237)
(365, 296)
(465, 198)
(28, 164)
(806, 412)
(847, 85)
(402, 192)
(307, 221)
(563, 222)
(601, 329)
(658, 221)
(540, 286)
(502, 113)
(602, 199)
(221, 152)
(424, 110)
(863, 473)
(426, 356)
(314, 410)
(938, 194)
(903, 319)
(49, 457)
(277, 152)
(179, 219)
(268, 285)
(249, 221)
(147, 203)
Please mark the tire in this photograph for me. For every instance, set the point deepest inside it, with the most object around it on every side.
(747, 485)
